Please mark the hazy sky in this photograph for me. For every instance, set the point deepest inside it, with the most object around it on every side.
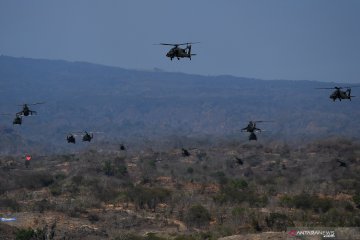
(268, 39)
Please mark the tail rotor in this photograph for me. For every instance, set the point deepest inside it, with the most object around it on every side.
(348, 91)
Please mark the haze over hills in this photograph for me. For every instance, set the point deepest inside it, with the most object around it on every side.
(132, 105)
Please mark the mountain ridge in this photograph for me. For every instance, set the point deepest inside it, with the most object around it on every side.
(128, 105)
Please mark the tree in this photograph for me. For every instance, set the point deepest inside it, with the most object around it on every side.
(197, 216)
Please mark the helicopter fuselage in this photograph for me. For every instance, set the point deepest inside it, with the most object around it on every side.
(17, 120)
(252, 137)
(26, 111)
(338, 94)
(71, 139)
(251, 127)
(87, 137)
(178, 53)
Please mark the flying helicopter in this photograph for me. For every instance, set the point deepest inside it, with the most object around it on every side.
(252, 129)
(185, 152)
(339, 94)
(26, 110)
(179, 52)
(87, 137)
(71, 138)
(17, 119)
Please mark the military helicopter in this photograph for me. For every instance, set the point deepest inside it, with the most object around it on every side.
(338, 94)
(87, 137)
(17, 119)
(252, 129)
(26, 110)
(122, 147)
(71, 138)
(185, 152)
(179, 52)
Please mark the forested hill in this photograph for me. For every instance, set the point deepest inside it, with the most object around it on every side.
(127, 105)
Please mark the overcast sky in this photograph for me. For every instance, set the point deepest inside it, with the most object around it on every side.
(267, 39)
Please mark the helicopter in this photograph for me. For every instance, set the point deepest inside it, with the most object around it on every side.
(122, 147)
(71, 138)
(17, 119)
(339, 94)
(26, 110)
(179, 52)
(185, 152)
(252, 129)
(87, 137)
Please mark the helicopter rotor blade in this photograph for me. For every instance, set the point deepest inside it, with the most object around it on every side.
(189, 43)
(325, 88)
(349, 87)
(36, 103)
(177, 44)
(167, 44)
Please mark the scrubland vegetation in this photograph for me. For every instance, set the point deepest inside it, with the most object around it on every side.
(165, 195)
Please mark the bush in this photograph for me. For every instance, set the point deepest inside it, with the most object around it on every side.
(236, 191)
(93, 218)
(286, 201)
(149, 197)
(278, 222)
(197, 216)
(42, 206)
(77, 179)
(128, 236)
(220, 177)
(29, 234)
(35, 180)
(152, 236)
(8, 203)
(25, 234)
(356, 199)
(55, 189)
(109, 168)
(305, 201)
(302, 201)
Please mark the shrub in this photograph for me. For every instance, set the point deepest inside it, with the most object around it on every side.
(93, 218)
(55, 189)
(303, 201)
(149, 197)
(129, 236)
(8, 203)
(29, 234)
(122, 170)
(197, 216)
(152, 236)
(356, 199)
(220, 177)
(278, 222)
(109, 168)
(77, 179)
(286, 201)
(42, 206)
(35, 180)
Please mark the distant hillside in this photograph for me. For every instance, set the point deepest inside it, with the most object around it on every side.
(128, 105)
